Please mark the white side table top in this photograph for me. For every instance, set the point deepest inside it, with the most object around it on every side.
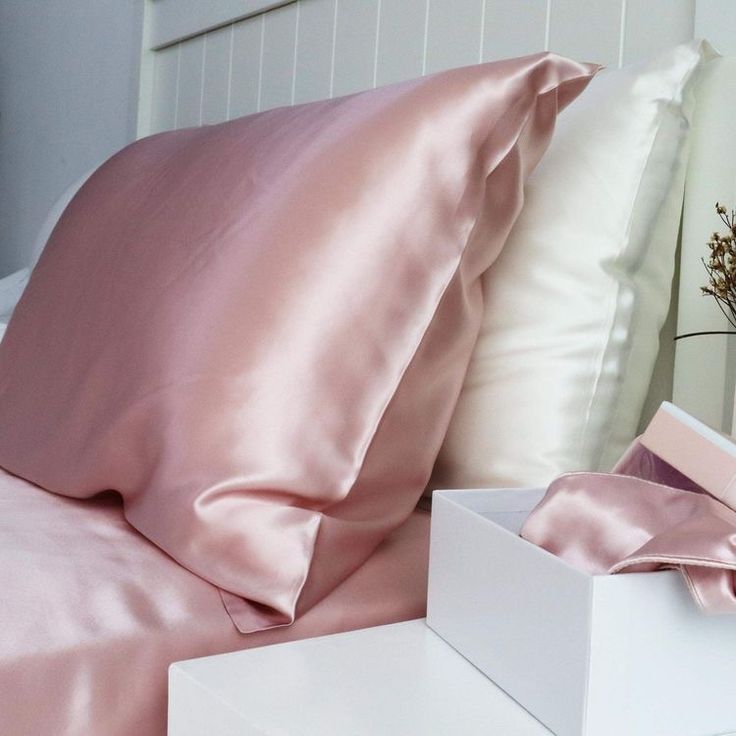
(397, 679)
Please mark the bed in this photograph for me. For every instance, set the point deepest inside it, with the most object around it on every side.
(204, 63)
(138, 623)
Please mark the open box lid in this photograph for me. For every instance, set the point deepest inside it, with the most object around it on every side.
(705, 456)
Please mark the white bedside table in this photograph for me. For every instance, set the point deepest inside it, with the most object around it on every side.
(400, 679)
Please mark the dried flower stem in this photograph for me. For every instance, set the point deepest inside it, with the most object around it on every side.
(707, 332)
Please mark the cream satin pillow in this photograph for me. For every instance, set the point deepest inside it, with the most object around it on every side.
(575, 303)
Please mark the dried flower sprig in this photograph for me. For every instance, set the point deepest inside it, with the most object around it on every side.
(721, 268)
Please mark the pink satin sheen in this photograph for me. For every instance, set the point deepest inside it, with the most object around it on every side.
(256, 331)
(92, 613)
(608, 523)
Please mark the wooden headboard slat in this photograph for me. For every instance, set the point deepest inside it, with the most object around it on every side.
(173, 21)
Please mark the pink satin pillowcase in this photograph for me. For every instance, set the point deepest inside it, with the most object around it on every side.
(256, 332)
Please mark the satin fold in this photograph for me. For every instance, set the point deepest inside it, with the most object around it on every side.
(606, 523)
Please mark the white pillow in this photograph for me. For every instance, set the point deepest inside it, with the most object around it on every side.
(53, 217)
(11, 289)
(12, 286)
(576, 300)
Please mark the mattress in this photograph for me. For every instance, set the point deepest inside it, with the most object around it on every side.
(92, 613)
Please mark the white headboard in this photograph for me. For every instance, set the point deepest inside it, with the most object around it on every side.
(224, 58)
(205, 62)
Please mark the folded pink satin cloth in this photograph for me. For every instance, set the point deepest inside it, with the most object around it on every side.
(650, 519)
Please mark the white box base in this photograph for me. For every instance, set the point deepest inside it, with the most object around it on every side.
(623, 655)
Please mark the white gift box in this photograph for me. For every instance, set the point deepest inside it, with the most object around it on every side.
(619, 655)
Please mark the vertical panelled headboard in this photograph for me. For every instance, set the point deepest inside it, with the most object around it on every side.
(705, 367)
(205, 62)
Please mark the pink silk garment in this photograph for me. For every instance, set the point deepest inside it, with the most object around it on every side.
(256, 331)
(607, 523)
(92, 613)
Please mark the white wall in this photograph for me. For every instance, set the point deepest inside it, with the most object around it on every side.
(68, 94)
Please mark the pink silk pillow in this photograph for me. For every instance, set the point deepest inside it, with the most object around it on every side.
(256, 331)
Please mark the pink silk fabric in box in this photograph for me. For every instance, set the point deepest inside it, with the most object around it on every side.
(646, 516)
(92, 613)
(256, 331)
